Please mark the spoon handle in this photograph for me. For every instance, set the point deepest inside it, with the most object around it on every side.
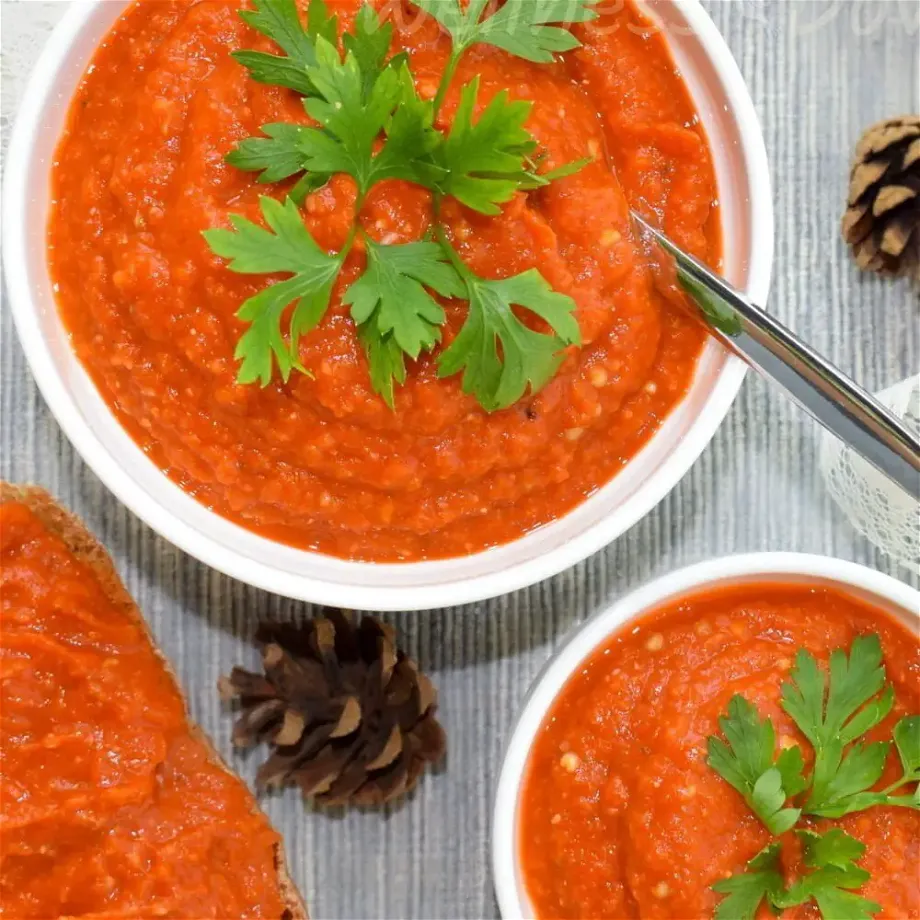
(832, 398)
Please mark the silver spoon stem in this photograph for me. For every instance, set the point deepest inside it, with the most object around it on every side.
(837, 402)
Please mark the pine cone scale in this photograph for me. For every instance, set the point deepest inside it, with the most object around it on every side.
(391, 749)
(317, 777)
(349, 720)
(291, 730)
(346, 785)
(391, 786)
(912, 155)
(306, 679)
(427, 695)
(864, 177)
(279, 767)
(258, 722)
(886, 134)
(430, 736)
(242, 683)
(894, 240)
(891, 197)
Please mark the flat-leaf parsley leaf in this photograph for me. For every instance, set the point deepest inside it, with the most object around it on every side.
(746, 890)
(276, 157)
(529, 29)
(394, 310)
(486, 160)
(498, 354)
(907, 740)
(286, 246)
(280, 21)
(747, 763)
(832, 712)
(832, 855)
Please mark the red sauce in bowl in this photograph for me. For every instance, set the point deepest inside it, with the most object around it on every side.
(322, 463)
(620, 816)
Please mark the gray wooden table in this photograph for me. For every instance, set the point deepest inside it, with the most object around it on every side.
(819, 72)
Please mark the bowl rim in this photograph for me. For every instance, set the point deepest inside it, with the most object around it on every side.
(199, 542)
(587, 637)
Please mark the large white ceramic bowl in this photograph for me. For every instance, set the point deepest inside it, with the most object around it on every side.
(744, 191)
(858, 581)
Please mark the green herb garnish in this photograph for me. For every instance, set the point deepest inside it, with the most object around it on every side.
(833, 857)
(527, 358)
(368, 121)
(485, 161)
(285, 247)
(745, 891)
(395, 313)
(280, 21)
(833, 714)
(748, 763)
(833, 711)
(354, 99)
(527, 29)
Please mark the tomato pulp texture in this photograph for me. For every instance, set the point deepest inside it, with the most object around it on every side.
(620, 815)
(109, 802)
(323, 463)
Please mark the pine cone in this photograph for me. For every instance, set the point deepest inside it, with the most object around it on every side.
(882, 221)
(350, 718)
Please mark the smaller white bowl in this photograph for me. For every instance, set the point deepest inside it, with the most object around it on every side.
(879, 590)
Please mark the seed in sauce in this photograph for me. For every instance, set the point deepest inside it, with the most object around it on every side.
(655, 642)
(570, 762)
(598, 377)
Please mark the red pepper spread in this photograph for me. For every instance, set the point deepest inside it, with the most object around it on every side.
(111, 804)
(321, 462)
(621, 816)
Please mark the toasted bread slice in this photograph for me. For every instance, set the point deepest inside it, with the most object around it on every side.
(88, 551)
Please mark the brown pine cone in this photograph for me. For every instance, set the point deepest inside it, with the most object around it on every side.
(350, 717)
(882, 221)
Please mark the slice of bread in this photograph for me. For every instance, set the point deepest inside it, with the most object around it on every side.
(88, 551)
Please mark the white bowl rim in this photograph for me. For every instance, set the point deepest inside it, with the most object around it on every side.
(219, 556)
(593, 633)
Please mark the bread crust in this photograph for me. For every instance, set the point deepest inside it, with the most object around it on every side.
(89, 551)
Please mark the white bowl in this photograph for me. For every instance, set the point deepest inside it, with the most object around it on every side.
(881, 591)
(744, 190)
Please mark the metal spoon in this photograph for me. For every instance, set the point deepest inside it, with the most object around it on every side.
(839, 404)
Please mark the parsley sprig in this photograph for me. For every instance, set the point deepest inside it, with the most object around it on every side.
(367, 120)
(833, 710)
(285, 247)
(832, 858)
(745, 891)
(529, 29)
(281, 23)
(395, 313)
(499, 379)
(353, 98)
(748, 763)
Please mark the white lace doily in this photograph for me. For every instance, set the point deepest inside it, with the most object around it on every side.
(876, 507)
